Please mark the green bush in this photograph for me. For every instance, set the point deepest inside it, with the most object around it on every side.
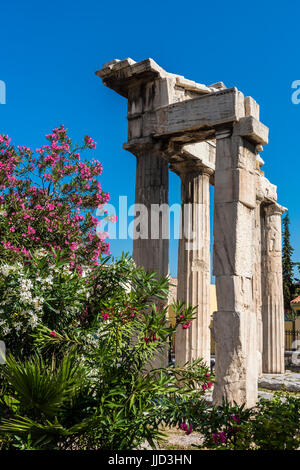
(96, 382)
(273, 425)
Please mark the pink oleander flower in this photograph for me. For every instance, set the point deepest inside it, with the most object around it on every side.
(52, 333)
(219, 437)
(187, 325)
(236, 418)
(204, 387)
(105, 316)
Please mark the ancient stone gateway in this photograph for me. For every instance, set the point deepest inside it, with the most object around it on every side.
(210, 135)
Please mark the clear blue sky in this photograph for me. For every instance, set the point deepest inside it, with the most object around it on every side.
(50, 51)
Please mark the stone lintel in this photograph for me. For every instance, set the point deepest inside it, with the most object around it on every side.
(201, 154)
(210, 114)
(120, 75)
(205, 112)
(253, 130)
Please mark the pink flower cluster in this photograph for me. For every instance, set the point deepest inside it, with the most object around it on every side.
(54, 213)
(219, 437)
(206, 386)
(90, 142)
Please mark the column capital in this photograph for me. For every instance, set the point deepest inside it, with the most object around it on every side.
(144, 144)
(223, 134)
(275, 209)
(191, 167)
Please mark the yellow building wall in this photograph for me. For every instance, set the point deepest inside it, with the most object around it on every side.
(213, 308)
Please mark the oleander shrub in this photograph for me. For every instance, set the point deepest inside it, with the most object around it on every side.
(94, 381)
(272, 425)
(47, 199)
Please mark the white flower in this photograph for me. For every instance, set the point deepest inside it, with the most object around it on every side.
(33, 320)
(38, 303)
(26, 284)
(5, 269)
(6, 330)
(41, 253)
(49, 279)
(25, 296)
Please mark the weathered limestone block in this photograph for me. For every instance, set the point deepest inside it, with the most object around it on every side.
(265, 191)
(272, 304)
(194, 263)
(235, 153)
(253, 129)
(234, 293)
(209, 110)
(203, 153)
(236, 358)
(236, 185)
(233, 243)
(251, 107)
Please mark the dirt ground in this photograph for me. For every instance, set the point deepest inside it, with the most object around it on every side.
(177, 440)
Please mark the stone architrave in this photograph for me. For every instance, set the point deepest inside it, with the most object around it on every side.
(194, 262)
(272, 304)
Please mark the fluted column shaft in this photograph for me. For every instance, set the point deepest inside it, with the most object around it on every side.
(151, 223)
(257, 281)
(194, 264)
(151, 243)
(272, 306)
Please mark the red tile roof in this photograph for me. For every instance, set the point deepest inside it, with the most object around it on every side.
(296, 300)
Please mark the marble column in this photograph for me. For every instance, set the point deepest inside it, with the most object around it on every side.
(194, 262)
(272, 305)
(257, 291)
(151, 243)
(235, 323)
(151, 223)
